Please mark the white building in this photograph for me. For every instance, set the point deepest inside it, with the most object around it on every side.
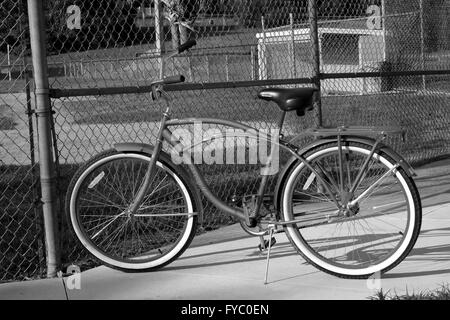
(346, 46)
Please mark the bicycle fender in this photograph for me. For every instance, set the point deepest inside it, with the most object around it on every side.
(358, 139)
(165, 159)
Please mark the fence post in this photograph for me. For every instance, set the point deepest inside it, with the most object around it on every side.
(422, 43)
(314, 35)
(227, 68)
(44, 114)
(262, 54)
(208, 71)
(384, 24)
(254, 63)
(8, 49)
(159, 33)
(294, 63)
(175, 37)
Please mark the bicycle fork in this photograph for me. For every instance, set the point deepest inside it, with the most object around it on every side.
(347, 194)
(150, 174)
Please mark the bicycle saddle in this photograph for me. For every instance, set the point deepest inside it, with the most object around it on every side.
(299, 99)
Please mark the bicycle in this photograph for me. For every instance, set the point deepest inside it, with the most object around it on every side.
(347, 202)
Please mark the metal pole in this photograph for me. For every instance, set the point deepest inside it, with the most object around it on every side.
(383, 21)
(314, 35)
(175, 37)
(263, 58)
(208, 72)
(227, 68)
(8, 49)
(44, 114)
(37, 213)
(252, 58)
(184, 37)
(294, 69)
(422, 44)
(159, 34)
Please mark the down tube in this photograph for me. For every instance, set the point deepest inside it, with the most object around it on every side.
(167, 134)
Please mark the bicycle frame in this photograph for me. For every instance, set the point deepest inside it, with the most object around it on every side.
(165, 134)
(238, 213)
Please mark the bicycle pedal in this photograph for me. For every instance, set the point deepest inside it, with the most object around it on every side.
(266, 244)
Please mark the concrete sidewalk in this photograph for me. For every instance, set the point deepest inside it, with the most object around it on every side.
(234, 270)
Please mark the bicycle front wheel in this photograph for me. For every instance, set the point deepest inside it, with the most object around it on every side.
(379, 227)
(97, 204)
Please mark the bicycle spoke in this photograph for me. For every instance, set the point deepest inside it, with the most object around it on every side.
(114, 219)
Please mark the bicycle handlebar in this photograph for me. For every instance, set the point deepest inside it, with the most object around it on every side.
(173, 79)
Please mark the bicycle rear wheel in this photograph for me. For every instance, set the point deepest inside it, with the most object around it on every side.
(97, 205)
(380, 227)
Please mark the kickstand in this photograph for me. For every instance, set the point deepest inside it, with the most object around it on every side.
(271, 232)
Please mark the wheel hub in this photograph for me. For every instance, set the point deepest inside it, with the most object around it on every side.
(352, 211)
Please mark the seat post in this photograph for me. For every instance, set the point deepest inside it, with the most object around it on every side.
(281, 122)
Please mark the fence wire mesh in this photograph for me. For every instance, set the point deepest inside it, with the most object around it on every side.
(21, 241)
(243, 46)
(394, 36)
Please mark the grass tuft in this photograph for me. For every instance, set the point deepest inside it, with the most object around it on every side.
(441, 293)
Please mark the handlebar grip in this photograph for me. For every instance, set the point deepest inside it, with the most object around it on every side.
(174, 79)
(186, 46)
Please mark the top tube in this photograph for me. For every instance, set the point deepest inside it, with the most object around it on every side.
(230, 123)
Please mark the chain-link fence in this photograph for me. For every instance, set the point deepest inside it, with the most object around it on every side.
(397, 38)
(382, 62)
(21, 240)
